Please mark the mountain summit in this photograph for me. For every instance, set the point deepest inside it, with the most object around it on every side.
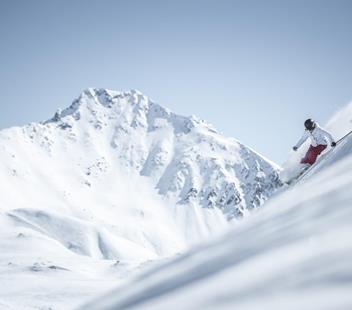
(186, 158)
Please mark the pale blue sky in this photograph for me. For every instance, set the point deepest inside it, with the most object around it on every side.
(254, 69)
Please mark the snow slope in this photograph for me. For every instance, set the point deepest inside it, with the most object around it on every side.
(341, 122)
(294, 253)
(108, 184)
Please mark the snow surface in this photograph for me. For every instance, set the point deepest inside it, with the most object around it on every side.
(109, 185)
(294, 253)
(341, 122)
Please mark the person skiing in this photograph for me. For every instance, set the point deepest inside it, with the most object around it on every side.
(320, 138)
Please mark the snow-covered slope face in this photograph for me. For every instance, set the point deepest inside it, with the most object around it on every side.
(341, 123)
(295, 253)
(186, 159)
(111, 182)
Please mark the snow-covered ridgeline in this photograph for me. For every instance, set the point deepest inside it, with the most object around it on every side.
(187, 159)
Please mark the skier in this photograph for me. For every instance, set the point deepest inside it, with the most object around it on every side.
(320, 139)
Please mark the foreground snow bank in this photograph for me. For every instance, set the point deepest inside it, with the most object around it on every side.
(296, 253)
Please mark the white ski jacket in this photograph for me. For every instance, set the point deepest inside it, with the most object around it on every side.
(317, 136)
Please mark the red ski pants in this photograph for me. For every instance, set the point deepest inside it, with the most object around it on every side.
(313, 153)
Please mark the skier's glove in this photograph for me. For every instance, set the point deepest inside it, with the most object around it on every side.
(333, 144)
(295, 148)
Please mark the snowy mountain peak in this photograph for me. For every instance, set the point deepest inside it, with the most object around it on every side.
(133, 106)
(186, 158)
(124, 111)
(154, 180)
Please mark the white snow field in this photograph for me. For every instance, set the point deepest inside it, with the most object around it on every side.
(109, 185)
(294, 253)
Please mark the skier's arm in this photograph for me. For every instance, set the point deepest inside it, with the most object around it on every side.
(329, 136)
(302, 140)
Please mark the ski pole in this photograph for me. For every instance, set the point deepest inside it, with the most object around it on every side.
(347, 134)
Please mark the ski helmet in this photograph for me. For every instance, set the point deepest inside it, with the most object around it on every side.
(309, 124)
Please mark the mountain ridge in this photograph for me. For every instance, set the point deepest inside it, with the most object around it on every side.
(135, 114)
(107, 138)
